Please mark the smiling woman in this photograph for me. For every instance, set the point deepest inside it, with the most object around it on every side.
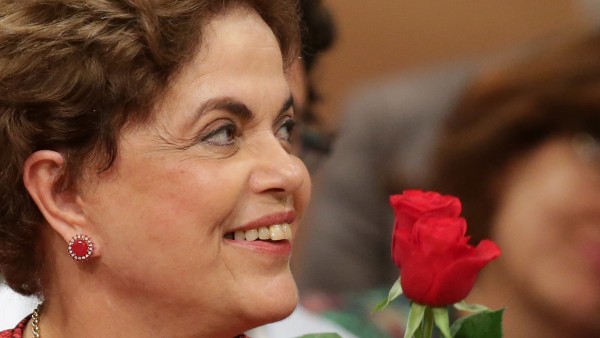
(148, 183)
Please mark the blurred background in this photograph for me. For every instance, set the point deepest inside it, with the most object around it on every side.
(397, 72)
(379, 38)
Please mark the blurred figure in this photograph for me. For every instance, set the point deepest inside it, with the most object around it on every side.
(522, 152)
(318, 34)
(385, 143)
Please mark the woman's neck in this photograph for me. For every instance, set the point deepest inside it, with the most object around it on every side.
(85, 305)
(97, 315)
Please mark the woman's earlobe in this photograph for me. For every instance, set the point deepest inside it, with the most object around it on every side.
(42, 171)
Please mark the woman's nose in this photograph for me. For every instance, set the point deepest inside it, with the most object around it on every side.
(276, 171)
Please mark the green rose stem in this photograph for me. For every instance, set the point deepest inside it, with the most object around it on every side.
(422, 318)
(428, 323)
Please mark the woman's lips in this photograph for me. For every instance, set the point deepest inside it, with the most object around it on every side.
(280, 247)
(270, 233)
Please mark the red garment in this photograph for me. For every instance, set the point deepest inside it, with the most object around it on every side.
(17, 332)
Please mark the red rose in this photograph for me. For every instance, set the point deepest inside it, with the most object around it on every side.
(412, 205)
(438, 266)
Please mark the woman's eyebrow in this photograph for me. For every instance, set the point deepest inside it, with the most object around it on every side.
(289, 103)
(229, 104)
(235, 107)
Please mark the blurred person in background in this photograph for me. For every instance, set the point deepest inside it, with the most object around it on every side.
(521, 150)
(384, 144)
(318, 34)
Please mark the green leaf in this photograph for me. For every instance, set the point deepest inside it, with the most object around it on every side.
(395, 292)
(415, 317)
(440, 316)
(486, 324)
(321, 335)
(464, 306)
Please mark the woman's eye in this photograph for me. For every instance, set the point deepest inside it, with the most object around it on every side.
(222, 136)
(286, 129)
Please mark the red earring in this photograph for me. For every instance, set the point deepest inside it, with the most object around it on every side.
(81, 247)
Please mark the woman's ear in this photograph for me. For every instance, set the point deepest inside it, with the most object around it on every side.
(42, 172)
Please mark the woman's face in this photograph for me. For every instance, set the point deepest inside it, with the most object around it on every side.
(548, 226)
(215, 161)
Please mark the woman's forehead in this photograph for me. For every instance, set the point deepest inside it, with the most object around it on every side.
(239, 61)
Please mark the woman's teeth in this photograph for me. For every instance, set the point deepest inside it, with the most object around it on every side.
(275, 232)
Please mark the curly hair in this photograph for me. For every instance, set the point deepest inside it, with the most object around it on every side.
(554, 91)
(73, 73)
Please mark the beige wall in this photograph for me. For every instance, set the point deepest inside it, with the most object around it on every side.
(377, 37)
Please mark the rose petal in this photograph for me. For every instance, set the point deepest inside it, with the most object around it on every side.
(400, 246)
(487, 249)
(410, 206)
(417, 277)
(458, 275)
(438, 266)
(440, 229)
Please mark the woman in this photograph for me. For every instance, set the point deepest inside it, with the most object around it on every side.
(148, 187)
(521, 151)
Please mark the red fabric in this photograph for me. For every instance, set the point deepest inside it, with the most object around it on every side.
(17, 332)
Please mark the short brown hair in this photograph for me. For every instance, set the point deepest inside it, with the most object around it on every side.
(73, 73)
(554, 91)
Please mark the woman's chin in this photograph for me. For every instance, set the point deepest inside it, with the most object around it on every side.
(275, 305)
